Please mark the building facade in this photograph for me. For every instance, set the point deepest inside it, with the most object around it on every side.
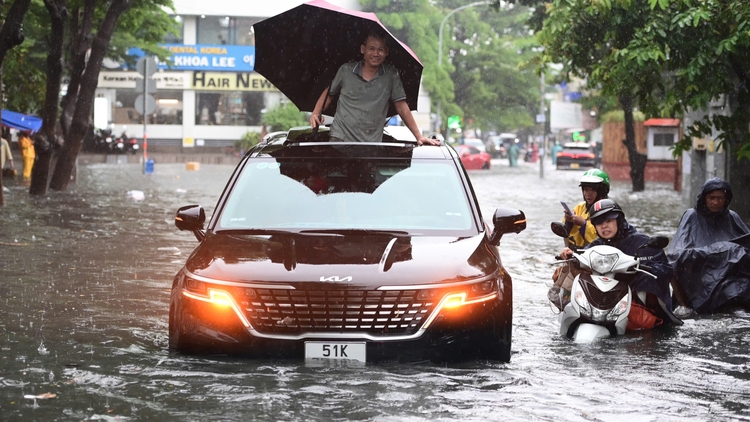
(209, 95)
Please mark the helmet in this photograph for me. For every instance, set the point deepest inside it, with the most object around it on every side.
(604, 209)
(596, 179)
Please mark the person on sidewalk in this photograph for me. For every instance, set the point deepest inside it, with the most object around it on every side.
(5, 155)
(27, 153)
(365, 89)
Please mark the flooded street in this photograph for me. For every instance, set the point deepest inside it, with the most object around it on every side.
(85, 296)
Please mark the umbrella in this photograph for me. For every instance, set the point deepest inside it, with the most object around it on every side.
(300, 51)
(21, 121)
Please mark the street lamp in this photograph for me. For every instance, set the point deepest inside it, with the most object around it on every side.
(438, 118)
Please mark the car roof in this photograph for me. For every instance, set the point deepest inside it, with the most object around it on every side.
(303, 142)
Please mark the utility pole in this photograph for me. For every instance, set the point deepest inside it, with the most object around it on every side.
(541, 118)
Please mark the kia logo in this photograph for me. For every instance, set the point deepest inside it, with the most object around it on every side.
(336, 278)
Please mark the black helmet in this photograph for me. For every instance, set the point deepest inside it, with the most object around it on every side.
(604, 209)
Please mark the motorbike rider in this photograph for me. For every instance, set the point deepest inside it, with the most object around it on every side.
(613, 229)
(594, 186)
(711, 252)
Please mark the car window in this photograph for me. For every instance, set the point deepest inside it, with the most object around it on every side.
(348, 193)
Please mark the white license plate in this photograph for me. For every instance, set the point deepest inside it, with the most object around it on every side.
(335, 351)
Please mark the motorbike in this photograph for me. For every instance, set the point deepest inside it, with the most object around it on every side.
(600, 305)
(126, 144)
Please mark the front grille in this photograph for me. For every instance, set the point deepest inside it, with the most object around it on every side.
(604, 300)
(291, 312)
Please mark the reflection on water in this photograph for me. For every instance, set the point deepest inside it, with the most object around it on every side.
(85, 284)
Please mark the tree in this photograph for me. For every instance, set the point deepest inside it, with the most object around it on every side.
(91, 30)
(284, 117)
(590, 39)
(480, 75)
(11, 35)
(705, 48)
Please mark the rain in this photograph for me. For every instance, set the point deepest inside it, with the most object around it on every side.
(86, 276)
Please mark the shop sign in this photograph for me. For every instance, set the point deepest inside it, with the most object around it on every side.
(219, 81)
(126, 80)
(227, 58)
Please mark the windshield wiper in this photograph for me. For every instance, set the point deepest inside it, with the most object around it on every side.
(257, 231)
(396, 233)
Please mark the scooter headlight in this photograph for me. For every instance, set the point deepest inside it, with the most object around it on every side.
(619, 309)
(584, 307)
(602, 264)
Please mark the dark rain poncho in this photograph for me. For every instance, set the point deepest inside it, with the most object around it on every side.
(711, 263)
(628, 240)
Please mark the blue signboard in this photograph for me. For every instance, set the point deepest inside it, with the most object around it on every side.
(215, 58)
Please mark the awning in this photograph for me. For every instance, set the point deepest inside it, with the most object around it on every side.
(21, 121)
(662, 122)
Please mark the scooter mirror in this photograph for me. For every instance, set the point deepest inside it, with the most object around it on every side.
(658, 242)
(558, 228)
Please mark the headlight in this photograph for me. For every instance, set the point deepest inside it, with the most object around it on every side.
(602, 263)
(584, 307)
(619, 309)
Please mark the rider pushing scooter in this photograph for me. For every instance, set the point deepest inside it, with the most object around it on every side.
(651, 290)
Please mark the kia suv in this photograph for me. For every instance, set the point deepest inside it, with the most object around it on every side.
(354, 251)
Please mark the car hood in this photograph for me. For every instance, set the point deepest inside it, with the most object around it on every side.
(368, 260)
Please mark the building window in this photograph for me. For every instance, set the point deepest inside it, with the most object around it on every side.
(213, 30)
(168, 109)
(226, 30)
(663, 139)
(229, 108)
(177, 38)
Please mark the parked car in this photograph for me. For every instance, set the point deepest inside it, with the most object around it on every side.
(472, 158)
(335, 251)
(575, 155)
(476, 143)
(497, 145)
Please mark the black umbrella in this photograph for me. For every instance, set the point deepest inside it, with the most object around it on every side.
(300, 51)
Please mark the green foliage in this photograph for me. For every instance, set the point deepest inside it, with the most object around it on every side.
(143, 25)
(481, 76)
(248, 140)
(619, 116)
(284, 117)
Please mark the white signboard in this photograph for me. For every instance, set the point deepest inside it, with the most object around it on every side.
(126, 80)
(565, 115)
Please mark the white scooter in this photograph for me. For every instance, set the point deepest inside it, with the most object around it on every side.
(599, 305)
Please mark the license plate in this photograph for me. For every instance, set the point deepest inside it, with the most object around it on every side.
(574, 165)
(335, 351)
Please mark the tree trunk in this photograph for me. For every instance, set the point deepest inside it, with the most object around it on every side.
(79, 125)
(637, 160)
(80, 36)
(11, 35)
(2, 190)
(45, 141)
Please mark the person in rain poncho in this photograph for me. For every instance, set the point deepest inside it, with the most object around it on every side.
(27, 153)
(710, 251)
(365, 89)
(513, 154)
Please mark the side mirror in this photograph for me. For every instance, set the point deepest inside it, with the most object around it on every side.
(507, 220)
(191, 217)
(558, 228)
(658, 242)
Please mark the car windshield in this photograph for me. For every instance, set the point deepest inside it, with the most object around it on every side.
(348, 193)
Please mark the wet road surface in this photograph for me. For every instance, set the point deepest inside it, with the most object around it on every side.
(85, 278)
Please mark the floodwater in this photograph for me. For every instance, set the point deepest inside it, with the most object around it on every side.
(84, 285)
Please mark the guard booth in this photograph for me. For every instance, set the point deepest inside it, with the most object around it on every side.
(654, 137)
